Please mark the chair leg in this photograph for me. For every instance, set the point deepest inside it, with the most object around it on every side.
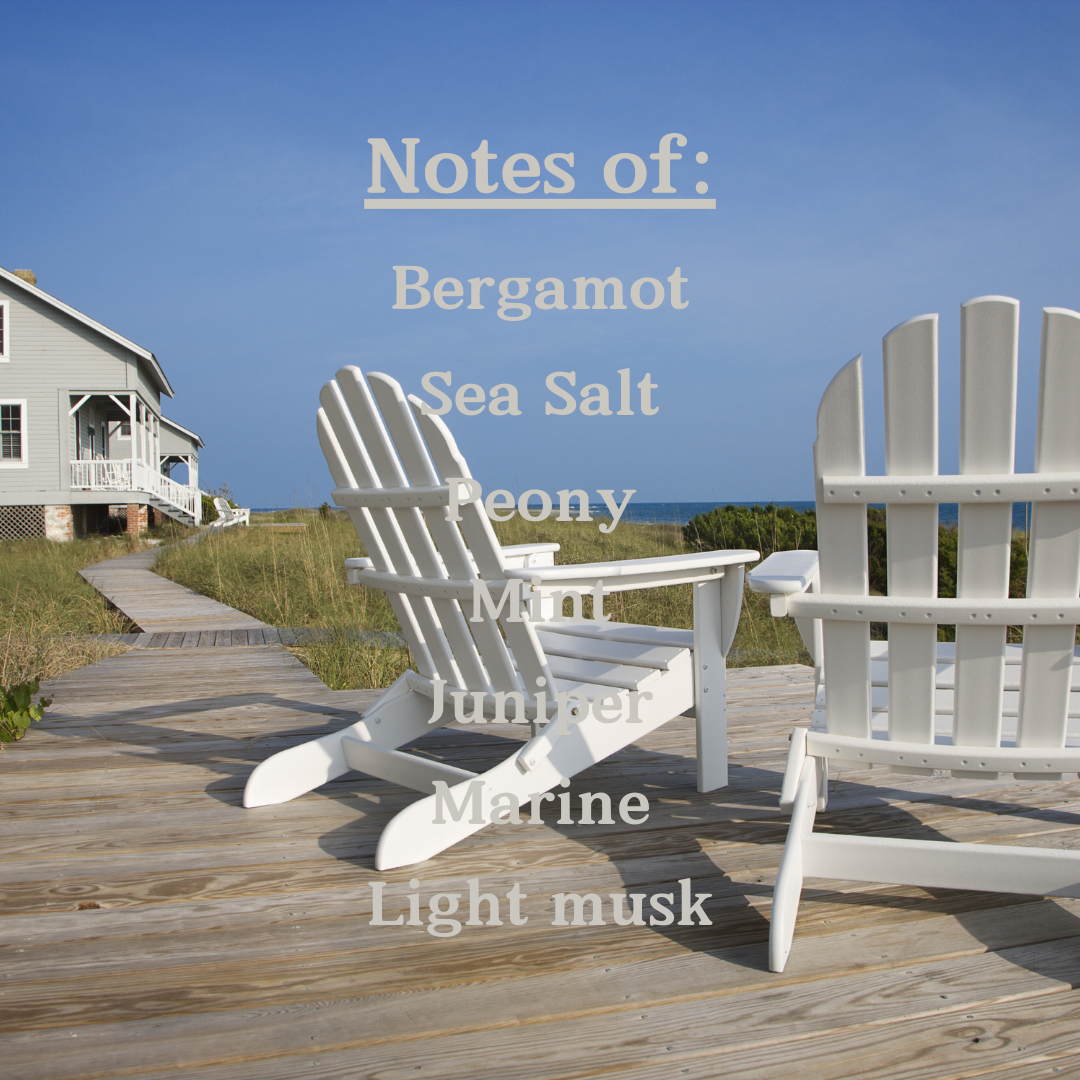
(789, 789)
(399, 716)
(710, 686)
(822, 783)
(789, 879)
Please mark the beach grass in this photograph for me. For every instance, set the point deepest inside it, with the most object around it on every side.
(48, 613)
(297, 579)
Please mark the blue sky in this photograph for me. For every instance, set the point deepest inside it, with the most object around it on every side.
(193, 175)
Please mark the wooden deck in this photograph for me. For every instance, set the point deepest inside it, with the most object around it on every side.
(153, 928)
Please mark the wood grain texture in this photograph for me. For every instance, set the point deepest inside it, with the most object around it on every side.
(232, 944)
(159, 606)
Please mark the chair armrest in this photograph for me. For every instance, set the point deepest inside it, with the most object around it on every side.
(353, 569)
(636, 573)
(785, 572)
(523, 555)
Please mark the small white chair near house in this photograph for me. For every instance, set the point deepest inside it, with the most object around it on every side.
(978, 707)
(589, 688)
(229, 515)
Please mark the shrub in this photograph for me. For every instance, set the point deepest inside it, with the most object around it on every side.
(209, 511)
(16, 710)
(782, 528)
(761, 528)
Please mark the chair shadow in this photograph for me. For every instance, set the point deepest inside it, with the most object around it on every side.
(632, 854)
(234, 758)
(744, 813)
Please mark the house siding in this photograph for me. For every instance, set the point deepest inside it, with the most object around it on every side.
(51, 355)
(139, 379)
(176, 442)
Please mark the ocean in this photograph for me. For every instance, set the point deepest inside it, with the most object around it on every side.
(679, 513)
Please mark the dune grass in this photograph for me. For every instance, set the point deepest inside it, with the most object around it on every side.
(47, 611)
(294, 579)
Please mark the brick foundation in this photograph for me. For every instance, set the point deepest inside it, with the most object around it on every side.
(136, 519)
(58, 523)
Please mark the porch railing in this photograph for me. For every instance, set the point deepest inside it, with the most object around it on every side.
(127, 475)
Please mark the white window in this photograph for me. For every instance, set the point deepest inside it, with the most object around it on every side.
(5, 332)
(13, 449)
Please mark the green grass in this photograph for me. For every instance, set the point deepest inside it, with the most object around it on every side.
(46, 609)
(298, 579)
(284, 579)
(290, 579)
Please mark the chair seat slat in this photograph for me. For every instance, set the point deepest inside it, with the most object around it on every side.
(665, 636)
(663, 658)
(561, 685)
(597, 672)
(945, 678)
(944, 699)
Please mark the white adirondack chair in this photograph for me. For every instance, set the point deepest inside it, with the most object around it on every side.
(978, 707)
(392, 466)
(229, 515)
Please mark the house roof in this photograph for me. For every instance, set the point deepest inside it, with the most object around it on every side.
(143, 354)
(183, 431)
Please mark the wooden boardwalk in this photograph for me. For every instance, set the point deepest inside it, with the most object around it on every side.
(157, 605)
(268, 635)
(153, 928)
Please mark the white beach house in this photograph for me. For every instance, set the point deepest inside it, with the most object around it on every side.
(82, 438)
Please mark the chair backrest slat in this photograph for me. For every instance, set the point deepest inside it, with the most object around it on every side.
(355, 449)
(910, 354)
(988, 356)
(484, 546)
(1054, 550)
(382, 445)
(401, 425)
(373, 545)
(977, 697)
(838, 450)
